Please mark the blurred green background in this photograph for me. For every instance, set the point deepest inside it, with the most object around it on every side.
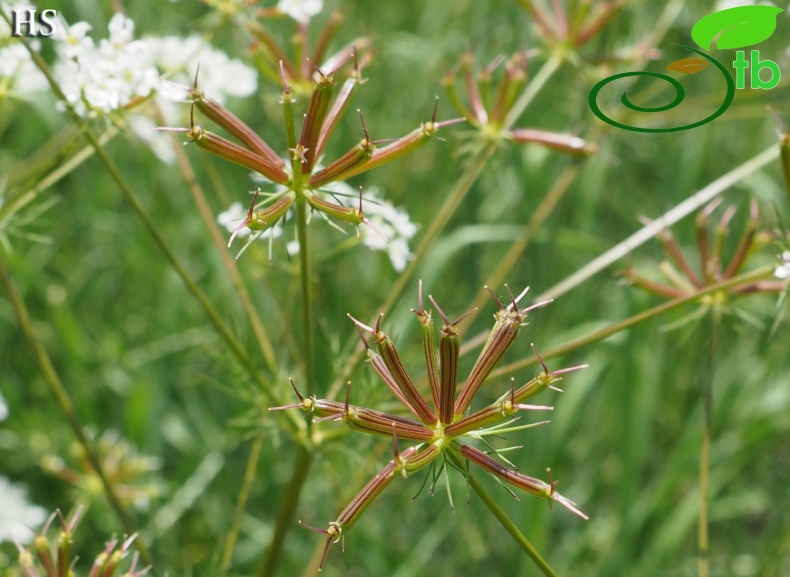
(139, 357)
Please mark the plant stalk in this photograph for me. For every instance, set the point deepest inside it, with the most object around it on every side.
(285, 516)
(66, 406)
(241, 502)
(703, 531)
(758, 274)
(511, 528)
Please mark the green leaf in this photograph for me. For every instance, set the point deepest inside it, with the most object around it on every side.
(735, 27)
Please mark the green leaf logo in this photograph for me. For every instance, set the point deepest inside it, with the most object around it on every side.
(688, 65)
(735, 27)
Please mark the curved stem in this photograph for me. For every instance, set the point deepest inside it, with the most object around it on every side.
(517, 248)
(224, 331)
(511, 528)
(241, 502)
(199, 196)
(697, 200)
(66, 406)
(440, 220)
(285, 516)
(703, 541)
(532, 89)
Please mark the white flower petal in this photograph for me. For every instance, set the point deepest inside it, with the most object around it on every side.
(17, 515)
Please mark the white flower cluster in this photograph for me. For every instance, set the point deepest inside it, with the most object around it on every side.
(390, 228)
(19, 76)
(99, 77)
(17, 515)
(177, 59)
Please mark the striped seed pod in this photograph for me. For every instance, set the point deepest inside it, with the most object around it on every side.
(228, 150)
(529, 484)
(500, 339)
(429, 347)
(314, 119)
(562, 142)
(389, 355)
(503, 408)
(449, 352)
(340, 168)
(216, 112)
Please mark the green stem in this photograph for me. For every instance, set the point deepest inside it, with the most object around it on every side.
(199, 196)
(224, 331)
(531, 90)
(691, 204)
(230, 340)
(66, 406)
(511, 528)
(517, 248)
(222, 328)
(453, 199)
(758, 274)
(703, 537)
(285, 516)
(241, 502)
(304, 277)
(304, 459)
(440, 220)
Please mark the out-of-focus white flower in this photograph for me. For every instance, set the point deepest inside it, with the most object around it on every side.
(3, 408)
(390, 228)
(17, 515)
(74, 40)
(99, 79)
(220, 76)
(19, 76)
(301, 10)
(23, 77)
(783, 270)
(121, 30)
(147, 131)
(5, 29)
(231, 219)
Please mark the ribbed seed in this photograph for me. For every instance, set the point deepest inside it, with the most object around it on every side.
(344, 213)
(263, 219)
(502, 336)
(354, 158)
(314, 120)
(392, 361)
(384, 374)
(429, 348)
(233, 124)
(231, 151)
(449, 348)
